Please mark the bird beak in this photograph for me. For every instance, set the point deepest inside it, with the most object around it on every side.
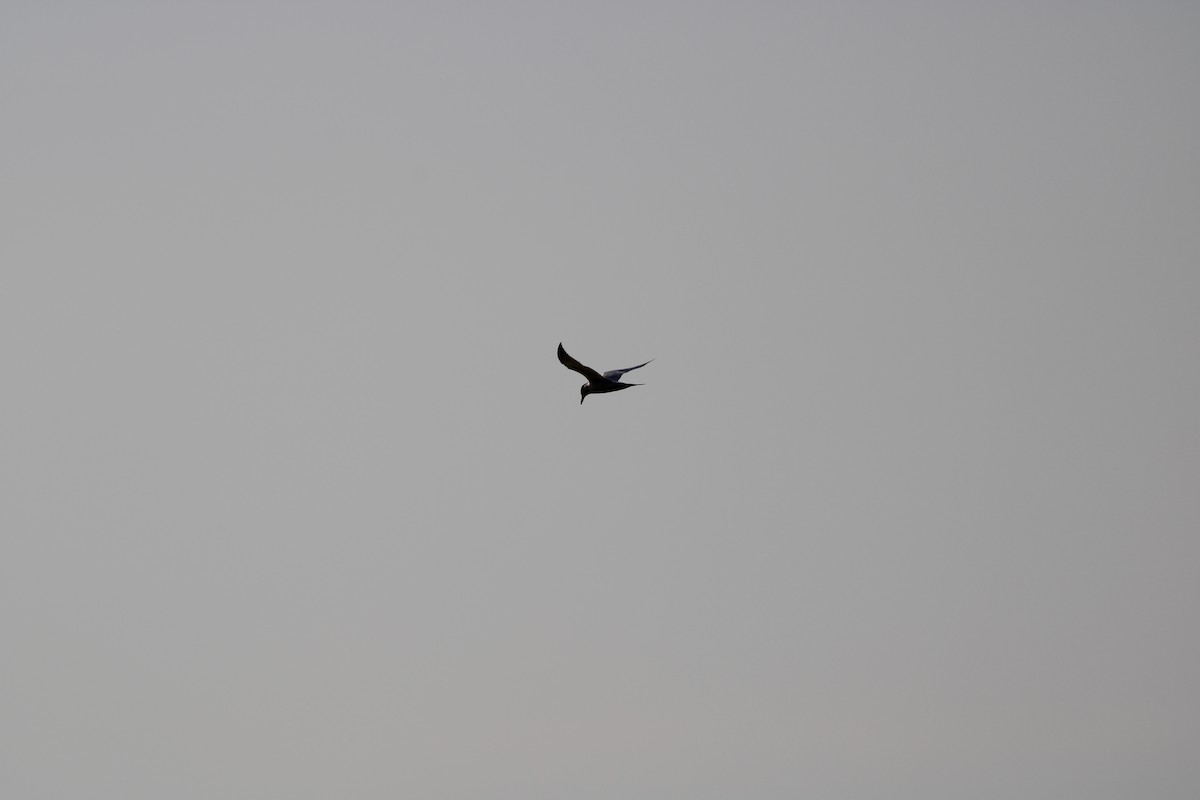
(582, 399)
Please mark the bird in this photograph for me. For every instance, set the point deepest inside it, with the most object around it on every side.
(597, 383)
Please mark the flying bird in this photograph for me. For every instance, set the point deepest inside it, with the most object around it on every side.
(597, 383)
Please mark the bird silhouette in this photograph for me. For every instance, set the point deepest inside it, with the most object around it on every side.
(597, 383)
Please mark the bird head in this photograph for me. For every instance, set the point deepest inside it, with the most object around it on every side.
(583, 393)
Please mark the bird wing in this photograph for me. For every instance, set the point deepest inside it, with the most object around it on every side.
(571, 363)
(615, 375)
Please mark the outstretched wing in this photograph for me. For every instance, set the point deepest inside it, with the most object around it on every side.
(615, 375)
(571, 363)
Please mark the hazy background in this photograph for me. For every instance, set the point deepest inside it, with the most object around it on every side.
(296, 501)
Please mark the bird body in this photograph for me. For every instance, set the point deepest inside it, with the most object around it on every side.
(597, 383)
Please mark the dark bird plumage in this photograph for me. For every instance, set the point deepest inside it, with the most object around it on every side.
(597, 383)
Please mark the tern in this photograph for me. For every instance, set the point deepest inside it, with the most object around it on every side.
(597, 383)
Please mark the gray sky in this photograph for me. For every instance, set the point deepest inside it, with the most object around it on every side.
(298, 503)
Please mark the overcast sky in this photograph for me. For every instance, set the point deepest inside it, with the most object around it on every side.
(296, 501)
